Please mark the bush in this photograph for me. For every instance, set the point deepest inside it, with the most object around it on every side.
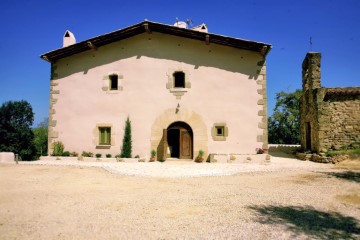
(259, 151)
(66, 154)
(118, 155)
(74, 154)
(108, 155)
(137, 156)
(87, 154)
(153, 153)
(98, 155)
(58, 149)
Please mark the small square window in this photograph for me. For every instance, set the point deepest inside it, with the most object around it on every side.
(104, 135)
(113, 82)
(220, 131)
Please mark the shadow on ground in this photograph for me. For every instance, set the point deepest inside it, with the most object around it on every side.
(309, 221)
(347, 175)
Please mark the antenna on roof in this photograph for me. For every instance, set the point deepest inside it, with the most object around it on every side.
(310, 44)
(189, 22)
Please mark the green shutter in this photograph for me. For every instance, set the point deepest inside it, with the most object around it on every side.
(104, 136)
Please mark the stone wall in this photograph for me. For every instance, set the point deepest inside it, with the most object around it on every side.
(339, 118)
(329, 117)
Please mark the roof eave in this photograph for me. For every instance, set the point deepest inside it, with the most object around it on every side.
(146, 26)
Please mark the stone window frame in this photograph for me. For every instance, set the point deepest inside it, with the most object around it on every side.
(106, 85)
(214, 131)
(170, 84)
(97, 136)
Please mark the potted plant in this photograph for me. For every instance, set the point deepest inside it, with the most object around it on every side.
(153, 155)
(200, 156)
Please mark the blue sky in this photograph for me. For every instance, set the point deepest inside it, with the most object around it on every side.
(31, 28)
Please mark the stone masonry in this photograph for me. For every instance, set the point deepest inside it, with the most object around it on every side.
(329, 117)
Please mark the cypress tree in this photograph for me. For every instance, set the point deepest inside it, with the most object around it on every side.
(126, 144)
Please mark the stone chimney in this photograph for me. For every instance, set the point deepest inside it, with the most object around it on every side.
(311, 71)
(69, 39)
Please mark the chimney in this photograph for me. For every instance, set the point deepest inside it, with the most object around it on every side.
(69, 39)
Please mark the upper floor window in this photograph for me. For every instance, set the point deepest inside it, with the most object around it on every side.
(179, 79)
(113, 81)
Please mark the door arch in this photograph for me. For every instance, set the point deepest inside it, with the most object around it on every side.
(180, 140)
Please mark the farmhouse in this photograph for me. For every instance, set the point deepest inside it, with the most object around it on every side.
(183, 89)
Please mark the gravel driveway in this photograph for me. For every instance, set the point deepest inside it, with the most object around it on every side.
(287, 199)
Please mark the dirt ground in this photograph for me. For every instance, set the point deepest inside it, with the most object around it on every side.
(56, 202)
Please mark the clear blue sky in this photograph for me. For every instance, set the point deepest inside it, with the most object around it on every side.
(31, 28)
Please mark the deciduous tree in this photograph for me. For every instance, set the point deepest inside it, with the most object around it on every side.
(16, 118)
(41, 138)
(284, 124)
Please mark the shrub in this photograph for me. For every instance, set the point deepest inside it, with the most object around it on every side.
(66, 154)
(87, 154)
(108, 155)
(201, 153)
(58, 149)
(137, 156)
(98, 155)
(74, 154)
(259, 151)
(153, 153)
(118, 155)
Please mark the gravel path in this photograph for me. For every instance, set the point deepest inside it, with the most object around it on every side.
(173, 169)
(287, 199)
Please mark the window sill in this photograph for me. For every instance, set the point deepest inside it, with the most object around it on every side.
(219, 138)
(174, 90)
(103, 146)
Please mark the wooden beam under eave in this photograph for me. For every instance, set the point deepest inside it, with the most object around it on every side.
(147, 28)
(46, 59)
(264, 50)
(91, 45)
(207, 39)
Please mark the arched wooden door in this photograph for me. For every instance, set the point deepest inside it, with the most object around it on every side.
(185, 144)
(180, 140)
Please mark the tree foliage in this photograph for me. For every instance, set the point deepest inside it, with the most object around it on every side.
(16, 118)
(284, 124)
(41, 138)
(127, 142)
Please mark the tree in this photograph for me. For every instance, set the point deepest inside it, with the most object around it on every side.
(16, 118)
(41, 138)
(284, 124)
(126, 144)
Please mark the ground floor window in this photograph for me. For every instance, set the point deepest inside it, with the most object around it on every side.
(104, 135)
(219, 132)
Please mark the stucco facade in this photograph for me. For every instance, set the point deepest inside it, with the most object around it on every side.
(221, 96)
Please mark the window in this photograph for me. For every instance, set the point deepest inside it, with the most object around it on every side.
(219, 131)
(104, 135)
(113, 82)
(179, 79)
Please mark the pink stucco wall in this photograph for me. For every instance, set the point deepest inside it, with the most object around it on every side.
(223, 89)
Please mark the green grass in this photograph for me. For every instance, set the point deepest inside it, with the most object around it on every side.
(353, 153)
